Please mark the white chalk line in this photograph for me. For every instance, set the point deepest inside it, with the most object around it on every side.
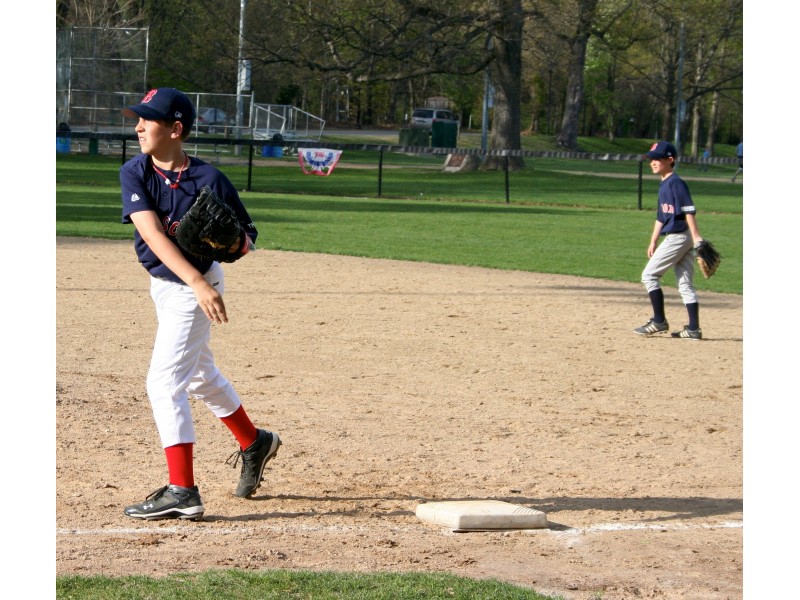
(571, 531)
(612, 527)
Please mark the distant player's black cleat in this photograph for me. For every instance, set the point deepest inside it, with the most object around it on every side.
(691, 334)
(652, 327)
(169, 502)
(254, 459)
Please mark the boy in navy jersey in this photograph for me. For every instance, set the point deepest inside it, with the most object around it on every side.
(676, 222)
(158, 187)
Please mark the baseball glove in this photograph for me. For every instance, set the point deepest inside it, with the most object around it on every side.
(210, 228)
(708, 258)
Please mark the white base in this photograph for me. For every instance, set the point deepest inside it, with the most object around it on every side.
(481, 515)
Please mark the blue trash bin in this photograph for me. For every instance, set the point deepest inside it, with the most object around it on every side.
(63, 141)
(63, 145)
(272, 151)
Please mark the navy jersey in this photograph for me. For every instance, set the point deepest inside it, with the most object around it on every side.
(674, 203)
(144, 189)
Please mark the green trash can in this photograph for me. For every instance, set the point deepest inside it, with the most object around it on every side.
(93, 146)
(414, 137)
(444, 134)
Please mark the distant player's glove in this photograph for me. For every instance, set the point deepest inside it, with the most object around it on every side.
(210, 229)
(708, 258)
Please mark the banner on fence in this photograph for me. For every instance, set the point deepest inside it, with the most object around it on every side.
(318, 161)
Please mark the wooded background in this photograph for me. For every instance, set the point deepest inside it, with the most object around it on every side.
(668, 69)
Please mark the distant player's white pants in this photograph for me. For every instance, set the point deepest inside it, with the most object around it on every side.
(674, 251)
(183, 364)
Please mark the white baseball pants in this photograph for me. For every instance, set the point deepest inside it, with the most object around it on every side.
(182, 365)
(674, 251)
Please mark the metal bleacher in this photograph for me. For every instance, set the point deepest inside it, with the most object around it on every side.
(278, 122)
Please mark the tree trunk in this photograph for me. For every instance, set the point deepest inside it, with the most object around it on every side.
(713, 119)
(506, 77)
(696, 116)
(695, 135)
(568, 135)
(611, 115)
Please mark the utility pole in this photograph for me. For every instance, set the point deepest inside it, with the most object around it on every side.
(680, 110)
(241, 75)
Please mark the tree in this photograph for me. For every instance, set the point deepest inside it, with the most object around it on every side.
(99, 13)
(711, 50)
(580, 66)
(567, 137)
(368, 41)
(578, 21)
(505, 73)
(715, 70)
(609, 97)
(194, 44)
(545, 66)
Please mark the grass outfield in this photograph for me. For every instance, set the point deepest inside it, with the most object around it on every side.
(588, 242)
(284, 584)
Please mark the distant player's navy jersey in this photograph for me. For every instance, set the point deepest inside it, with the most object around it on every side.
(144, 189)
(674, 203)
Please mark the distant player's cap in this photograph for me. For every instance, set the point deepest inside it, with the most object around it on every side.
(163, 104)
(662, 150)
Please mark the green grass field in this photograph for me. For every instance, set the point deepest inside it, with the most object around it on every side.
(588, 242)
(599, 239)
(287, 585)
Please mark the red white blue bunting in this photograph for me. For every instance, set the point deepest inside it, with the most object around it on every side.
(318, 161)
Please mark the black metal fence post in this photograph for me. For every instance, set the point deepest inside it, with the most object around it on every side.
(380, 173)
(641, 163)
(505, 168)
(249, 168)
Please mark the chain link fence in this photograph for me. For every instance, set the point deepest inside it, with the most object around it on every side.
(612, 181)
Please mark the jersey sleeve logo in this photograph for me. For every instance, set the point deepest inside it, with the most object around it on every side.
(134, 197)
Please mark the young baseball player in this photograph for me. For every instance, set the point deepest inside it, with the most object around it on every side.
(158, 187)
(676, 222)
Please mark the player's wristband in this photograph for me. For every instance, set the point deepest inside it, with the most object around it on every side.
(246, 245)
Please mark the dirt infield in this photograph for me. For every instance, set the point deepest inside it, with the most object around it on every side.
(394, 383)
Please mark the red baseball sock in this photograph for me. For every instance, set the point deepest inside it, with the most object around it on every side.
(241, 427)
(180, 464)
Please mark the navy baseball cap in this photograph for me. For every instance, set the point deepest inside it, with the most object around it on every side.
(163, 104)
(662, 150)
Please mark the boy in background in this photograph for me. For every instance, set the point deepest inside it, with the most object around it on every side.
(676, 222)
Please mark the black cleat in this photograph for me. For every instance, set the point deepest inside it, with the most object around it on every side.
(169, 502)
(254, 459)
